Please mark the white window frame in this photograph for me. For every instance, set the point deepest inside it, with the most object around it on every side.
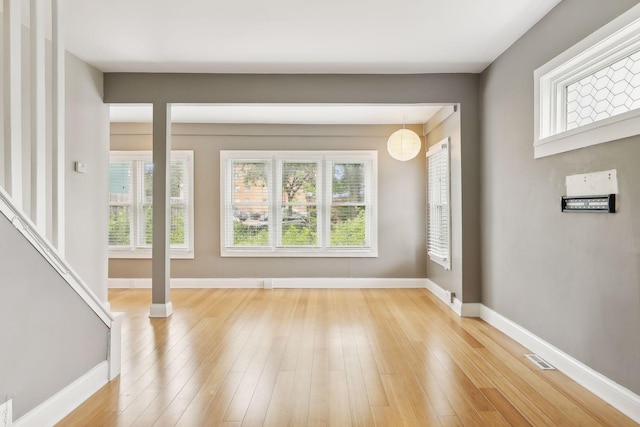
(444, 257)
(325, 160)
(134, 251)
(619, 38)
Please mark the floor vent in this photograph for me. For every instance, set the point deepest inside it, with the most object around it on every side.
(539, 361)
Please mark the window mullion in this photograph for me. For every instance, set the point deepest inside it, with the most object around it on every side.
(276, 205)
(141, 238)
(326, 220)
(131, 215)
(272, 180)
(134, 205)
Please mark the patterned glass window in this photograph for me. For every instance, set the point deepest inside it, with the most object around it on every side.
(608, 92)
(590, 93)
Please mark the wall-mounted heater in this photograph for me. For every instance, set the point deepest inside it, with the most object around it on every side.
(602, 204)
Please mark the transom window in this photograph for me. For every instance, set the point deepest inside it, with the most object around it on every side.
(612, 90)
(590, 93)
(298, 203)
(131, 204)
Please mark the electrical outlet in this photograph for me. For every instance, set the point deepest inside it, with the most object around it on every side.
(450, 296)
(6, 413)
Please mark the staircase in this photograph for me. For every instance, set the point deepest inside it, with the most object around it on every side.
(59, 343)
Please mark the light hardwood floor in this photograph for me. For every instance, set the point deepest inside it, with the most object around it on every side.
(238, 357)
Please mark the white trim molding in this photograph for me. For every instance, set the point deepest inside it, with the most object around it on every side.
(6, 413)
(114, 355)
(66, 400)
(271, 283)
(460, 308)
(611, 392)
(347, 283)
(161, 310)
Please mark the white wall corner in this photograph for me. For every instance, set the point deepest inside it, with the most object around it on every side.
(608, 390)
(161, 310)
(115, 346)
(66, 400)
(6, 413)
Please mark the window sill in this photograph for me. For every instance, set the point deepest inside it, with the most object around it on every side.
(444, 263)
(283, 253)
(611, 129)
(147, 255)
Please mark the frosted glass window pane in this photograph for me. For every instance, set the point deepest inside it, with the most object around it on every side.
(610, 91)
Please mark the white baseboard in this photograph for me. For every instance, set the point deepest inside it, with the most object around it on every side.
(161, 310)
(66, 400)
(270, 283)
(114, 355)
(611, 392)
(608, 390)
(460, 308)
(207, 283)
(347, 283)
(6, 413)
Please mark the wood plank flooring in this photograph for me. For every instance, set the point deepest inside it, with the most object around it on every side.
(326, 357)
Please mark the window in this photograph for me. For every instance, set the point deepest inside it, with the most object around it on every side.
(590, 94)
(438, 215)
(131, 203)
(298, 203)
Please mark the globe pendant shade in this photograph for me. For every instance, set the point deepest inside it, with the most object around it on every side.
(404, 144)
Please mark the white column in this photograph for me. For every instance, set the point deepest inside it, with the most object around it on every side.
(13, 100)
(58, 127)
(160, 263)
(38, 123)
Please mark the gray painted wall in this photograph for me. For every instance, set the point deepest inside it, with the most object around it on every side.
(423, 88)
(572, 279)
(401, 201)
(86, 215)
(49, 336)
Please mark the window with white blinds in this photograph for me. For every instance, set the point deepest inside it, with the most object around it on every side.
(438, 215)
(298, 203)
(131, 204)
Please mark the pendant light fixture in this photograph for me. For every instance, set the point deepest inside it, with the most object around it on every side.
(404, 144)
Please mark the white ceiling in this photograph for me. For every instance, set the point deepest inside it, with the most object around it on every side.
(297, 36)
(283, 113)
(294, 36)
